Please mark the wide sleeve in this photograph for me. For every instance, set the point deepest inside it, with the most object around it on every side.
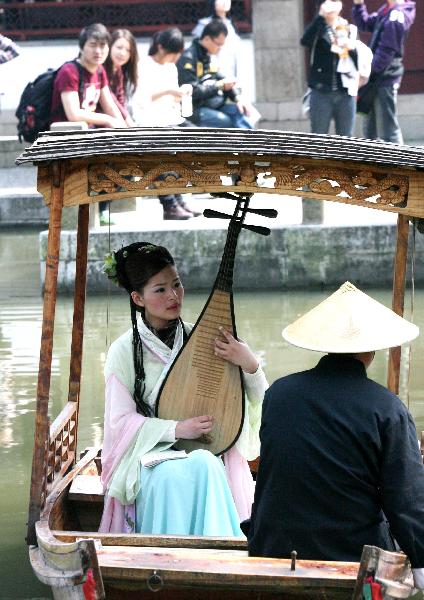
(123, 425)
(256, 385)
(312, 31)
(402, 486)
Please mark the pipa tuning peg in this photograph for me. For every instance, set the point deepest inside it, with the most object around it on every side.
(214, 214)
(271, 213)
(257, 229)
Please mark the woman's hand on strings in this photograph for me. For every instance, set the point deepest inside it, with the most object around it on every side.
(235, 351)
(191, 429)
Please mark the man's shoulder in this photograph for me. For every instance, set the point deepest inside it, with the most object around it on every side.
(189, 53)
(293, 379)
(384, 396)
(70, 67)
(67, 78)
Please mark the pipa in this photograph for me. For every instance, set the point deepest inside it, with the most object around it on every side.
(200, 383)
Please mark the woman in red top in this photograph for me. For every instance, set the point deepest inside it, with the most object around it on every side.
(121, 69)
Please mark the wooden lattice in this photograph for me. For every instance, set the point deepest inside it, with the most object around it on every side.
(61, 445)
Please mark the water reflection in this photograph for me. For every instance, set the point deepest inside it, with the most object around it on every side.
(260, 319)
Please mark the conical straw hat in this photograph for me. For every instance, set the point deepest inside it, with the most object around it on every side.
(349, 321)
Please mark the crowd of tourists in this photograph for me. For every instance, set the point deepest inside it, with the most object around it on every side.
(110, 85)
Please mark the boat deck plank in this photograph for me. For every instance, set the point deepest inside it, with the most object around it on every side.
(218, 567)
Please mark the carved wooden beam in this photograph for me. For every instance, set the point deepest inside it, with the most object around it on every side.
(114, 178)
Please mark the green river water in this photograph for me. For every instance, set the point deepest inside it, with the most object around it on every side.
(260, 318)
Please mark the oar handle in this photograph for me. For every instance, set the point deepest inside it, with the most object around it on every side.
(214, 214)
(257, 229)
(271, 213)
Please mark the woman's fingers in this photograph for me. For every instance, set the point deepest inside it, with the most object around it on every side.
(227, 334)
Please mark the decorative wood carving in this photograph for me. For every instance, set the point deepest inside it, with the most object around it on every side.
(399, 190)
(363, 185)
(352, 184)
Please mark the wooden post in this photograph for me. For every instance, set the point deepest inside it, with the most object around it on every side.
(78, 318)
(399, 278)
(41, 436)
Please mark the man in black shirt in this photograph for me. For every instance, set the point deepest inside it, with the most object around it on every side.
(217, 100)
(340, 465)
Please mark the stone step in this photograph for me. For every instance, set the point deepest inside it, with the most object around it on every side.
(18, 177)
(10, 148)
(21, 208)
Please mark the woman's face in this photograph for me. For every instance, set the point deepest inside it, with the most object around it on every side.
(161, 297)
(120, 52)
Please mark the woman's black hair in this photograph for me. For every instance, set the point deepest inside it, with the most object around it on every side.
(97, 31)
(171, 40)
(130, 69)
(135, 265)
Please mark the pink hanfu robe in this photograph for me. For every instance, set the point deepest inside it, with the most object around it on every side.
(128, 436)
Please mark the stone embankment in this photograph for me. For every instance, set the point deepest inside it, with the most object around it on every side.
(292, 257)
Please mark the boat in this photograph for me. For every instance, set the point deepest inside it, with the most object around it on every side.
(66, 498)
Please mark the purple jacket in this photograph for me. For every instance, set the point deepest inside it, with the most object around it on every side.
(389, 27)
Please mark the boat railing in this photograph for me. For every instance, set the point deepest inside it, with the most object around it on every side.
(61, 445)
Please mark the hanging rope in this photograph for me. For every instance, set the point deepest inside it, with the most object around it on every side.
(107, 337)
(411, 318)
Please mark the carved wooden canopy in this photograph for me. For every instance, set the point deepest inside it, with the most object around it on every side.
(115, 164)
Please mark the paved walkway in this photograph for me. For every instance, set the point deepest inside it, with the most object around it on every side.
(148, 216)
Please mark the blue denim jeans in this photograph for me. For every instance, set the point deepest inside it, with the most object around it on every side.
(326, 106)
(227, 116)
(382, 122)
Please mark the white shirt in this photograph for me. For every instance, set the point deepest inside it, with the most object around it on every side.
(153, 78)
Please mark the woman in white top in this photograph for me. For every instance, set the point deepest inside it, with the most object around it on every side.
(158, 99)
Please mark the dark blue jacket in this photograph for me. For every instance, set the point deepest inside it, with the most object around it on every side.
(339, 452)
(389, 27)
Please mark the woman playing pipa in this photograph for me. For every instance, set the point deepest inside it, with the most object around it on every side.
(200, 494)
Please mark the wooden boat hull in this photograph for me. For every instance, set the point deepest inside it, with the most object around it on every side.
(136, 566)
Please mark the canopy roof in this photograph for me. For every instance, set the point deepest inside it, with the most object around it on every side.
(144, 141)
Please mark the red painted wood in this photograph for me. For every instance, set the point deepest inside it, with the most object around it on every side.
(47, 19)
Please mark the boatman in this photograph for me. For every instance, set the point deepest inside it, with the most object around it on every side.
(340, 465)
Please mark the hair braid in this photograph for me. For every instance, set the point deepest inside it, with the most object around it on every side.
(139, 384)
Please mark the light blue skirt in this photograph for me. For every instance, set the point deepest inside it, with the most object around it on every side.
(188, 496)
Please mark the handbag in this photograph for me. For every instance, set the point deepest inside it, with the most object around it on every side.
(366, 95)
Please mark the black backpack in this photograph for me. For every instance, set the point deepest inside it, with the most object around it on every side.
(34, 109)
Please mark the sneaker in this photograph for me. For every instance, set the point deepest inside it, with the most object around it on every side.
(181, 202)
(105, 219)
(172, 211)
